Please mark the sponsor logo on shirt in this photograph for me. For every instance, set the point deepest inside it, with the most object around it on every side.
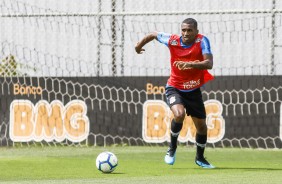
(191, 84)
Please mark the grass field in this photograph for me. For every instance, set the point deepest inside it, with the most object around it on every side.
(138, 165)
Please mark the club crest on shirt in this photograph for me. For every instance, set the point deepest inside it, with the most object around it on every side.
(173, 42)
(197, 40)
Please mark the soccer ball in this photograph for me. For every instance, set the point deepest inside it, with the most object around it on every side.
(106, 162)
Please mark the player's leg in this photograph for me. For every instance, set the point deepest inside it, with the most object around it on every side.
(176, 125)
(196, 109)
(178, 111)
(175, 103)
(201, 135)
(201, 140)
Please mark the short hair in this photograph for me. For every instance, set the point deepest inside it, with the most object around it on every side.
(190, 21)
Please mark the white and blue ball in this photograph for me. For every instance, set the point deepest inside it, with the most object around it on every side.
(106, 162)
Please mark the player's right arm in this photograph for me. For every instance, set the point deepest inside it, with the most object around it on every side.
(149, 37)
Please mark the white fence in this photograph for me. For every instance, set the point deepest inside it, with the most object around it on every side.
(91, 38)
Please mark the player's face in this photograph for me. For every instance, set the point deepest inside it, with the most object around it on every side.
(189, 33)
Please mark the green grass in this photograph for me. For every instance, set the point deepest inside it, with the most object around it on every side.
(138, 165)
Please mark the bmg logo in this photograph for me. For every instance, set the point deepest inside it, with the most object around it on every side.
(48, 122)
(157, 118)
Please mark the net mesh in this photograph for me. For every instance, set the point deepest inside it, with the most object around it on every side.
(53, 41)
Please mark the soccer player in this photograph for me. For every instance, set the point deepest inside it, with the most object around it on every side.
(191, 57)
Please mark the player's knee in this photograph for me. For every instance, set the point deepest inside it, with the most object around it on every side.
(179, 115)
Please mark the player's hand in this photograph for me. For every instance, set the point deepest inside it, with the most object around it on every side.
(178, 64)
(139, 49)
(181, 65)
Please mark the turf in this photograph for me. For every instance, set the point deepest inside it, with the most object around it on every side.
(138, 165)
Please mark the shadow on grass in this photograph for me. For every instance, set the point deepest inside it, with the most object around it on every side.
(113, 173)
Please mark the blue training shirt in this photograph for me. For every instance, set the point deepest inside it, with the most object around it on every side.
(205, 44)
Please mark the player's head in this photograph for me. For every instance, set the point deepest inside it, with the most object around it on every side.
(189, 30)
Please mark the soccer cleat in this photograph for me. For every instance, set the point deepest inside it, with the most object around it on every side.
(170, 156)
(202, 162)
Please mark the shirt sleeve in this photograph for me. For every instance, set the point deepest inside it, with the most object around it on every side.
(163, 38)
(205, 45)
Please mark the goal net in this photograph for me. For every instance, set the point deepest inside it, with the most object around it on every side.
(69, 73)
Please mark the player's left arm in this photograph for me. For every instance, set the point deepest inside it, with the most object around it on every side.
(207, 63)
